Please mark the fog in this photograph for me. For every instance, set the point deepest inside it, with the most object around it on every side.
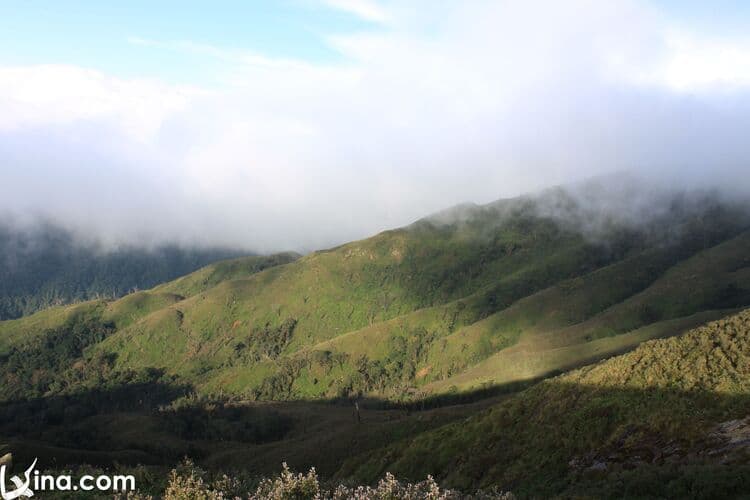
(436, 105)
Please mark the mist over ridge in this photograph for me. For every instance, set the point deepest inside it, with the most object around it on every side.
(424, 108)
(44, 265)
(591, 207)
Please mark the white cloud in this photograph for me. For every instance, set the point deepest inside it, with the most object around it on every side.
(365, 9)
(58, 94)
(455, 102)
(695, 63)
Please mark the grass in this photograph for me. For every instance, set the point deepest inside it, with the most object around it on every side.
(501, 296)
(16, 331)
(627, 412)
(624, 411)
(428, 315)
(211, 275)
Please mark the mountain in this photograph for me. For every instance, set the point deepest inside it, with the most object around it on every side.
(475, 297)
(434, 329)
(45, 265)
(668, 420)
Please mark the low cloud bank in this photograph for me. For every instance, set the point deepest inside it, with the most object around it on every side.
(434, 106)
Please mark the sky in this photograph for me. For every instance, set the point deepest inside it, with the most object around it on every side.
(299, 124)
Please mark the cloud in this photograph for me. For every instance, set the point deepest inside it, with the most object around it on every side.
(364, 9)
(447, 103)
(33, 96)
(695, 64)
(234, 56)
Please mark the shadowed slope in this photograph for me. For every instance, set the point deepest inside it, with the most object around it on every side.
(659, 405)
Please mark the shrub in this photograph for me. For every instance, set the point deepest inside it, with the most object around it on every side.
(189, 482)
(289, 486)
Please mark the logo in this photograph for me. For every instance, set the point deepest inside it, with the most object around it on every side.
(34, 480)
(22, 486)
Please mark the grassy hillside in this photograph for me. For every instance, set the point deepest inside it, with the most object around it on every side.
(18, 331)
(662, 420)
(236, 364)
(212, 275)
(444, 307)
(53, 352)
(471, 298)
(45, 265)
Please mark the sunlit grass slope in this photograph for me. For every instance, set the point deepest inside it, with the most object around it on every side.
(213, 274)
(646, 423)
(444, 306)
(17, 331)
(471, 298)
(134, 306)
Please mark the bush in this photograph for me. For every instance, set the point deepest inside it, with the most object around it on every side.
(289, 486)
(189, 482)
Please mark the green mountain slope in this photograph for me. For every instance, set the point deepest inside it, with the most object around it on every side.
(663, 420)
(212, 275)
(470, 298)
(45, 265)
(421, 306)
(236, 364)
(132, 307)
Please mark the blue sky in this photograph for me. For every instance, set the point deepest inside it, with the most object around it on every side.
(716, 17)
(95, 32)
(299, 124)
(99, 34)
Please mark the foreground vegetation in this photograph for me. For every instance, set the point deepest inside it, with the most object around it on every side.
(189, 482)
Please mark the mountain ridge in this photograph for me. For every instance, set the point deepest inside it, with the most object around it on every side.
(42, 265)
(459, 293)
(434, 330)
